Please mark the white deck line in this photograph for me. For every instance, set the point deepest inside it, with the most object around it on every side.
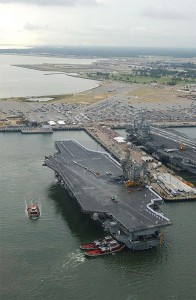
(152, 202)
(97, 151)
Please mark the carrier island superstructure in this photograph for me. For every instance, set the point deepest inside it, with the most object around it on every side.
(96, 181)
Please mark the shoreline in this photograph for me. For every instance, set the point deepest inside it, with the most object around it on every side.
(12, 128)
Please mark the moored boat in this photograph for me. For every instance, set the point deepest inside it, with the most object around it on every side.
(33, 211)
(97, 243)
(111, 247)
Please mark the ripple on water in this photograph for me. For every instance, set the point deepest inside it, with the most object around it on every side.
(73, 260)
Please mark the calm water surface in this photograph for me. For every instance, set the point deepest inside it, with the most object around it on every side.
(41, 259)
(21, 82)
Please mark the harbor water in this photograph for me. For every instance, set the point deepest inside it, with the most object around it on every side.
(23, 82)
(41, 259)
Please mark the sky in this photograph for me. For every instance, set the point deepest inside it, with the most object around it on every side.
(125, 23)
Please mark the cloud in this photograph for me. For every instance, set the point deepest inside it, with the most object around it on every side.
(167, 14)
(32, 27)
(54, 2)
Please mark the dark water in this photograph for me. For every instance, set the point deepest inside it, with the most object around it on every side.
(41, 259)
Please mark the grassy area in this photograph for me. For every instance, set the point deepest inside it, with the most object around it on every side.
(18, 99)
(167, 80)
(156, 94)
(84, 98)
(2, 115)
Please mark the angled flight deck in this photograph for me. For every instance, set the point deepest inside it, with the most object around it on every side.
(95, 180)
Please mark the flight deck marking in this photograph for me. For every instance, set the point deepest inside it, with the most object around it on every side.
(96, 158)
(66, 149)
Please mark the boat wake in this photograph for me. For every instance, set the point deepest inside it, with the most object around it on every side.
(73, 260)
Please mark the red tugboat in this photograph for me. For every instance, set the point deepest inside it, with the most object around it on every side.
(111, 247)
(96, 244)
(33, 211)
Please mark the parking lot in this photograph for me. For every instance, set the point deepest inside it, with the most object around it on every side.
(119, 106)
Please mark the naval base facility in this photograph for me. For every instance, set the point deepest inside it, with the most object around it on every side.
(96, 181)
(170, 147)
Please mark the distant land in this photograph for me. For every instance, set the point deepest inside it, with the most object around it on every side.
(99, 51)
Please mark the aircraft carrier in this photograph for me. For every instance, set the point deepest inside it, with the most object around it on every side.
(173, 149)
(95, 180)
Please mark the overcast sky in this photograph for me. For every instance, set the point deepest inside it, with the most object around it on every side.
(138, 23)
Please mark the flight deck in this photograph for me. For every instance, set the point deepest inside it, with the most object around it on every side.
(95, 180)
